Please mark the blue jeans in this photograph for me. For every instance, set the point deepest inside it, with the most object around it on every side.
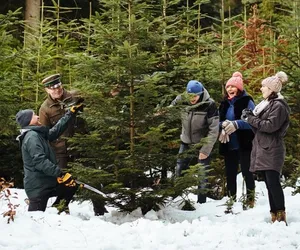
(184, 163)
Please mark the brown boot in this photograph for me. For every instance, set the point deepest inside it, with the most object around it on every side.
(248, 204)
(251, 204)
(273, 217)
(281, 216)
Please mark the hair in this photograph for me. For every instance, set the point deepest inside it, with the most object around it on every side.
(272, 96)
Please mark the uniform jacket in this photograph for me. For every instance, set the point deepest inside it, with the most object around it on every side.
(52, 110)
(270, 126)
(244, 135)
(40, 166)
(200, 123)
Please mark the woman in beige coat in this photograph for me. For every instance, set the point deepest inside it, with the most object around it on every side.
(270, 121)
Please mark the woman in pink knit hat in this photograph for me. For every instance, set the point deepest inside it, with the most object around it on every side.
(236, 137)
(270, 121)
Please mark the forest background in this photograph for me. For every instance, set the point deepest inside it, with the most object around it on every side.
(129, 59)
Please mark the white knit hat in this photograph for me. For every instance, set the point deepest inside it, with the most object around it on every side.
(274, 83)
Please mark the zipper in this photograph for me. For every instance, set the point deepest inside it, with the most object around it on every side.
(192, 114)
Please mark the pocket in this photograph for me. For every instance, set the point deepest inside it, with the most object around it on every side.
(266, 141)
(199, 120)
(55, 117)
(272, 155)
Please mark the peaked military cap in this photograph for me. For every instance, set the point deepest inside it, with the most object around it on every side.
(52, 81)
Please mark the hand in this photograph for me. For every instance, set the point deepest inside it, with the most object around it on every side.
(225, 123)
(246, 113)
(67, 180)
(202, 156)
(231, 127)
(77, 106)
(159, 112)
(223, 138)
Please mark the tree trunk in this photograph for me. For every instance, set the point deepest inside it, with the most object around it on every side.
(32, 19)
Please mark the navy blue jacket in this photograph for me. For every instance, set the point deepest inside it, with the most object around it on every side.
(232, 110)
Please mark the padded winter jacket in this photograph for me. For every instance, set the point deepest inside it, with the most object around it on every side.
(200, 123)
(270, 126)
(39, 161)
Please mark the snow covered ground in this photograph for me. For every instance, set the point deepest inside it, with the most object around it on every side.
(169, 229)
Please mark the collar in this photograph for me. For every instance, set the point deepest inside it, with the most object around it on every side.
(66, 96)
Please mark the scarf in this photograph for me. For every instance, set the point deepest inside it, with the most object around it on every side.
(260, 107)
(263, 104)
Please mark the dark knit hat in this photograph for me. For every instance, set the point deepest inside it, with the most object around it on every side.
(194, 87)
(52, 81)
(23, 117)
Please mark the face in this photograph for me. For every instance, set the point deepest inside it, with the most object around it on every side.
(231, 91)
(35, 120)
(266, 92)
(55, 93)
(193, 98)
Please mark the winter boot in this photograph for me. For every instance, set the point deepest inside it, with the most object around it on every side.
(99, 207)
(251, 204)
(281, 216)
(273, 217)
(201, 198)
(250, 198)
(248, 204)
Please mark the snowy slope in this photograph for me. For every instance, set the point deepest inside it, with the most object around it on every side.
(171, 228)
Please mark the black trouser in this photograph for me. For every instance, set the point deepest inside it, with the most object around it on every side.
(184, 163)
(275, 192)
(98, 205)
(61, 191)
(232, 160)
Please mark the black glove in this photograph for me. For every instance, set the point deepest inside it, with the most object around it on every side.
(67, 180)
(246, 113)
(76, 106)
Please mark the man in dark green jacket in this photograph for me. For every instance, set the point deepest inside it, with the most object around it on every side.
(42, 176)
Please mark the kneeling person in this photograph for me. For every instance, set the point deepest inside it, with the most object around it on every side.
(42, 176)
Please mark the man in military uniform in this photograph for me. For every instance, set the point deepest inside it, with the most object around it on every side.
(52, 109)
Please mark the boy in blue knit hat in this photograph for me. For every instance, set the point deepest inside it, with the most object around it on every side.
(200, 125)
